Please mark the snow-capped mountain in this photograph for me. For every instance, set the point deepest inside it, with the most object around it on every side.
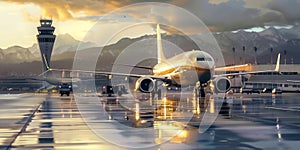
(280, 40)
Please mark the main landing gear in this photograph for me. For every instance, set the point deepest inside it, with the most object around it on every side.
(199, 90)
(156, 91)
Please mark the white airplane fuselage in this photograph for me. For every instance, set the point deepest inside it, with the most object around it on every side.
(186, 68)
(56, 81)
(51, 77)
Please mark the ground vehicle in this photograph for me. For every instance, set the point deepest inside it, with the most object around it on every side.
(107, 89)
(64, 88)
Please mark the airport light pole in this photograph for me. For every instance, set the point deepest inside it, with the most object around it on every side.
(244, 50)
(255, 51)
(271, 55)
(233, 50)
(284, 52)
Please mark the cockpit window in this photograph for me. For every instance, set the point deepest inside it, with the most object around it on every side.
(204, 59)
(200, 59)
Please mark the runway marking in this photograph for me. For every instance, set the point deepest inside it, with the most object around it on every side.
(10, 96)
(24, 126)
(284, 109)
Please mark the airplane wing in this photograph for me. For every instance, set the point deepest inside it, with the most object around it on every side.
(136, 66)
(236, 67)
(252, 72)
(105, 73)
(114, 73)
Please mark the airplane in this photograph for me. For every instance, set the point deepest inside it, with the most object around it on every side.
(177, 70)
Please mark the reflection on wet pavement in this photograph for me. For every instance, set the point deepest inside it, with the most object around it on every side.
(242, 122)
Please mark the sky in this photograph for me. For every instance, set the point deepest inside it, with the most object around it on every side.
(19, 18)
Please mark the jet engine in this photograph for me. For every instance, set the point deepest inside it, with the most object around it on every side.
(221, 84)
(145, 84)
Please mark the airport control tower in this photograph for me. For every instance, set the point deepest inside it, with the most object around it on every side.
(46, 40)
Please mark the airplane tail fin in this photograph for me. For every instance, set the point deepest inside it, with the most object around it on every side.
(277, 63)
(160, 53)
(46, 63)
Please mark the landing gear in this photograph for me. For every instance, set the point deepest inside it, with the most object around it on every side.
(199, 90)
(156, 90)
(159, 93)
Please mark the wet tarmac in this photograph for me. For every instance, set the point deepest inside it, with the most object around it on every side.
(87, 121)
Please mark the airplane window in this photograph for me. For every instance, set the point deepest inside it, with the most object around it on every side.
(204, 59)
(200, 59)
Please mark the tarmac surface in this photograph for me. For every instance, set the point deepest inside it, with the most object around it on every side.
(87, 121)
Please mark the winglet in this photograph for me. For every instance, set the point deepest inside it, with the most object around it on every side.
(277, 63)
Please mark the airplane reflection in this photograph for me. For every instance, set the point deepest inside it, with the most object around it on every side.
(278, 130)
(165, 108)
(174, 132)
(174, 118)
(66, 107)
(137, 111)
(169, 108)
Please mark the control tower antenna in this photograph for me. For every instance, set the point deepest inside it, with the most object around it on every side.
(46, 40)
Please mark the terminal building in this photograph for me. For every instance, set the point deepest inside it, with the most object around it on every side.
(287, 80)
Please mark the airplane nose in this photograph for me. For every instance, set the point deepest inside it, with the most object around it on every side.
(211, 64)
(207, 65)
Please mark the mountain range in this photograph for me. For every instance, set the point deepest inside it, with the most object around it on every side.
(18, 60)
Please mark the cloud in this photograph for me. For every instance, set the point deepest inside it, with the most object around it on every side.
(218, 1)
(288, 11)
(218, 15)
(63, 10)
(30, 17)
(228, 15)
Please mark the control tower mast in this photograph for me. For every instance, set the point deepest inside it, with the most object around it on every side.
(46, 40)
